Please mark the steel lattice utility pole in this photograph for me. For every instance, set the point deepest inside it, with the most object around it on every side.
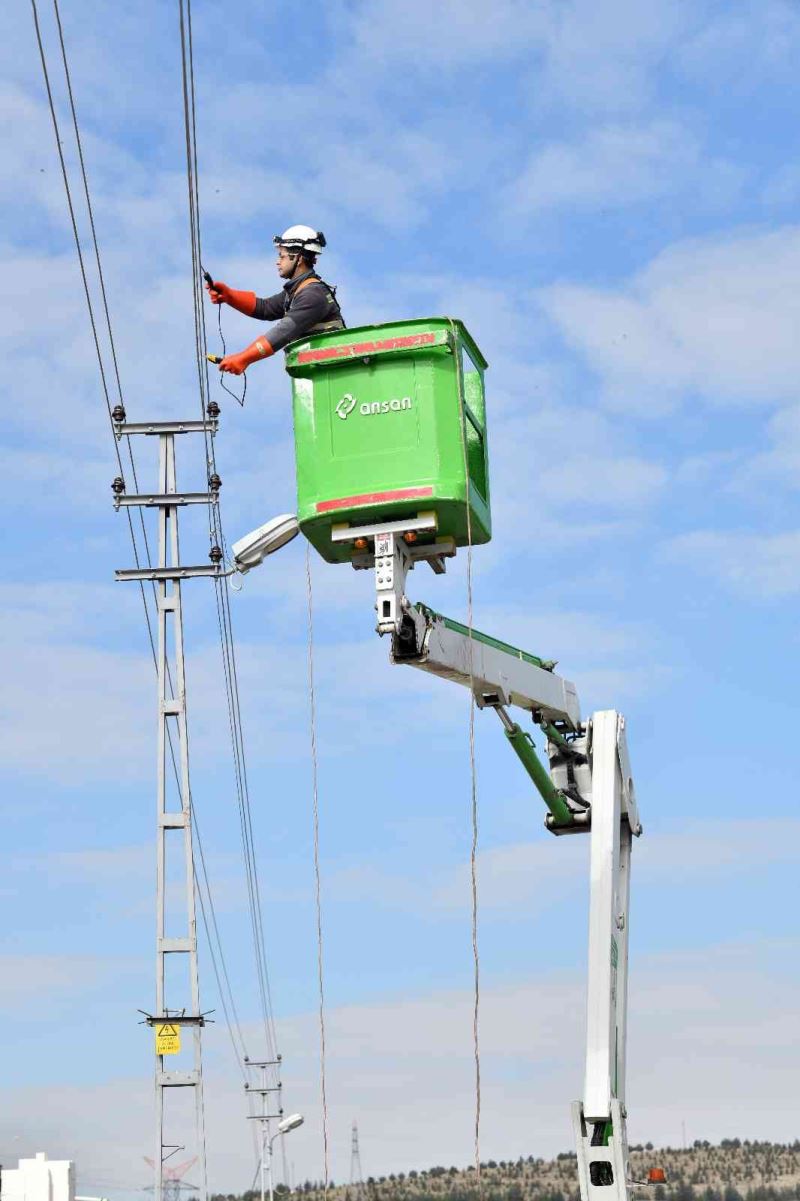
(356, 1174)
(267, 1083)
(173, 816)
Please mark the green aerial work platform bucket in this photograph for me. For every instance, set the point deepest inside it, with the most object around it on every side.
(380, 416)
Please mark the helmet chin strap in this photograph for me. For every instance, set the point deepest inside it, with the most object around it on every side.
(299, 261)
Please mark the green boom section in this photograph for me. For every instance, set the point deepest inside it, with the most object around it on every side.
(486, 639)
(382, 414)
(523, 745)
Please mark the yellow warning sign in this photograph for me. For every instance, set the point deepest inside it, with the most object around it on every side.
(168, 1039)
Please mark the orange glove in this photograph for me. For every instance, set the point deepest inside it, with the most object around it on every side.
(243, 302)
(237, 364)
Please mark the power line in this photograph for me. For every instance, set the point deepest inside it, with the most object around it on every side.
(224, 617)
(87, 293)
(101, 278)
(208, 910)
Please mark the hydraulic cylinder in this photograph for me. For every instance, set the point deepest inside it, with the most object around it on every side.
(526, 753)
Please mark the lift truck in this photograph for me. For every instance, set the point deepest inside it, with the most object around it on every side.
(392, 471)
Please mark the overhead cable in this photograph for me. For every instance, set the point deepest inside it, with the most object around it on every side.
(224, 617)
(213, 926)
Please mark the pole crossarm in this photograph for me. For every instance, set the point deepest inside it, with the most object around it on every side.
(123, 429)
(175, 1019)
(132, 500)
(170, 573)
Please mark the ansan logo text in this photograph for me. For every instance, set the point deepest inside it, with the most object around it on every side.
(348, 404)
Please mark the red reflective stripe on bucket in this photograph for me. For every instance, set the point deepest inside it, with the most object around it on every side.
(372, 498)
(362, 348)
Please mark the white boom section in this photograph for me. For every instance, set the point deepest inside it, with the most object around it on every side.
(599, 1119)
(498, 674)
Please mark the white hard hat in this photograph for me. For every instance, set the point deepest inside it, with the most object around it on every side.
(301, 237)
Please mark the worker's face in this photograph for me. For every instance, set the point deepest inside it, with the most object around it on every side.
(286, 263)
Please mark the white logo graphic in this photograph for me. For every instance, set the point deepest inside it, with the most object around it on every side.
(345, 406)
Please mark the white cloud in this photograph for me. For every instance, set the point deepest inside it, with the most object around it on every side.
(396, 1063)
(537, 875)
(33, 981)
(74, 714)
(758, 566)
(534, 876)
(619, 165)
(704, 847)
(778, 465)
(583, 56)
(706, 316)
(606, 57)
(385, 30)
(80, 709)
(581, 477)
(782, 188)
(755, 40)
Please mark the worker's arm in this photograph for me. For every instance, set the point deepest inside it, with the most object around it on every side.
(269, 308)
(309, 307)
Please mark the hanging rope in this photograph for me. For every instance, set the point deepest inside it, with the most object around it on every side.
(239, 399)
(317, 882)
(473, 857)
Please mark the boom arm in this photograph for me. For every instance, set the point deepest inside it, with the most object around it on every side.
(501, 675)
(498, 673)
(589, 788)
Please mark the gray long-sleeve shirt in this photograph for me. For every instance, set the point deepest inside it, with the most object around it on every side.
(298, 311)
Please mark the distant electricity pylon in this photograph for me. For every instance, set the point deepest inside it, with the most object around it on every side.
(356, 1174)
(173, 1183)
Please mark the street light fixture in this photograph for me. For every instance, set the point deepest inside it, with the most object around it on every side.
(251, 550)
(291, 1123)
(284, 1126)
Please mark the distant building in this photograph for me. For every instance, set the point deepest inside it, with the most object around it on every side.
(39, 1179)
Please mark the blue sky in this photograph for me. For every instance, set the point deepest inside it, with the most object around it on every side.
(607, 194)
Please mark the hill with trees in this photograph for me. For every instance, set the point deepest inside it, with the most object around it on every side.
(733, 1170)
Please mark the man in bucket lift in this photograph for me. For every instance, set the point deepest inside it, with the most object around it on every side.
(306, 305)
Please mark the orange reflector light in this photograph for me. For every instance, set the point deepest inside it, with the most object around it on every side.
(360, 544)
(656, 1176)
(410, 536)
